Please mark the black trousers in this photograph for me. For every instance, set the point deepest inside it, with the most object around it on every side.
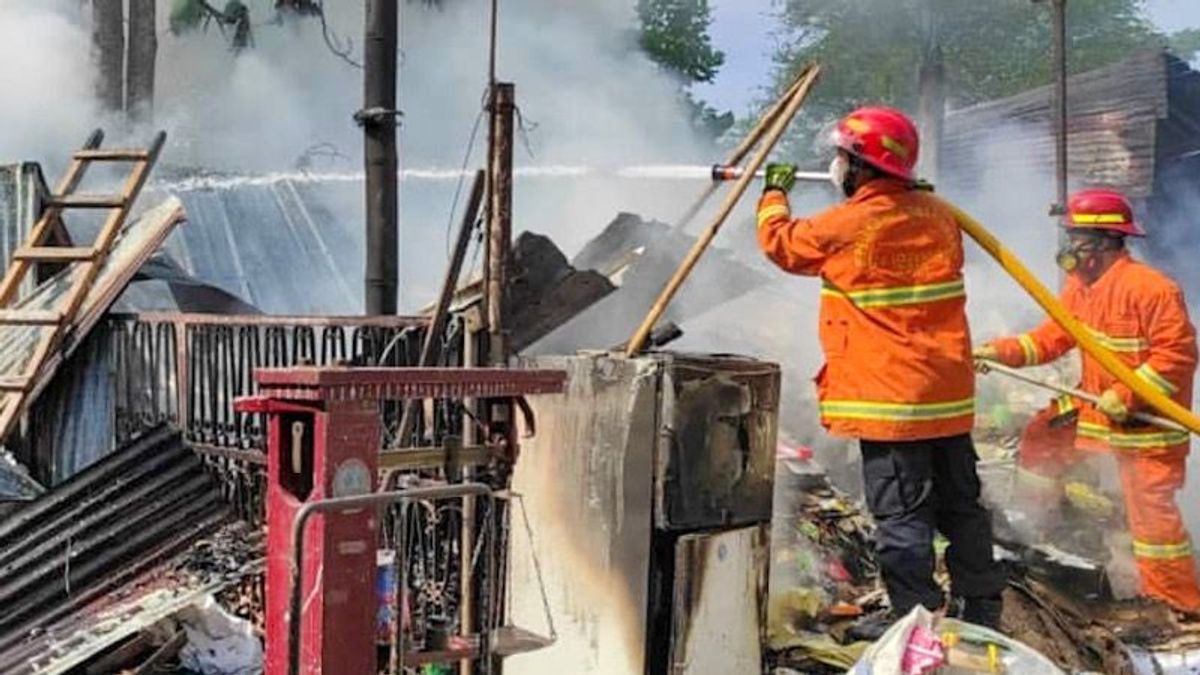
(914, 488)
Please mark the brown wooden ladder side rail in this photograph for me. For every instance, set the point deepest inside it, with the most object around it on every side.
(82, 264)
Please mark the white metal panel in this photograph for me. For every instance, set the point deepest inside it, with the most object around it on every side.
(718, 618)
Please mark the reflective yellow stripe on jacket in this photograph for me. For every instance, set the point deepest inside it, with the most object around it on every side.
(1029, 350)
(1130, 441)
(1152, 376)
(1119, 344)
(899, 295)
(896, 412)
(1162, 551)
(773, 211)
(1065, 404)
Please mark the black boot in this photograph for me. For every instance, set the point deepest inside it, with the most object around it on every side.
(983, 611)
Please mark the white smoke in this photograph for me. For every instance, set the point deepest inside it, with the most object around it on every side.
(46, 78)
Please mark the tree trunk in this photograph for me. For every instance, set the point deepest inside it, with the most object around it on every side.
(143, 49)
(108, 41)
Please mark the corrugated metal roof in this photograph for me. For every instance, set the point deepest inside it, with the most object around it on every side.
(277, 244)
(1113, 116)
(98, 532)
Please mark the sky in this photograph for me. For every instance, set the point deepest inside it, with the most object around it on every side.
(742, 29)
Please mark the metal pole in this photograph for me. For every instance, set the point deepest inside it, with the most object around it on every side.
(499, 238)
(378, 119)
(1059, 7)
(986, 367)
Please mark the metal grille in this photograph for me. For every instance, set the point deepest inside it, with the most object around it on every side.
(189, 369)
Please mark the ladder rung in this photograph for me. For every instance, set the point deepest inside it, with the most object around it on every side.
(14, 383)
(114, 154)
(55, 253)
(30, 317)
(85, 201)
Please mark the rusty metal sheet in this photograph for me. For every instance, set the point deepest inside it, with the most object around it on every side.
(586, 480)
(98, 531)
(715, 464)
(331, 384)
(718, 614)
(1113, 121)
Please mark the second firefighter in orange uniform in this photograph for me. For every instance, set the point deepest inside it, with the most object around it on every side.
(1139, 314)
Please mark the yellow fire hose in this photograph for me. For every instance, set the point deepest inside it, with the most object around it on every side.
(1083, 338)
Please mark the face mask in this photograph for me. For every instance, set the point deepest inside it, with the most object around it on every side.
(839, 170)
(1079, 257)
(1067, 259)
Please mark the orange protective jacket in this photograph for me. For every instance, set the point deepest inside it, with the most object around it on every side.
(893, 324)
(1139, 314)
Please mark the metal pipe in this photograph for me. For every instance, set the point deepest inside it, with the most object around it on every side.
(378, 119)
(722, 172)
(986, 367)
(499, 239)
(374, 499)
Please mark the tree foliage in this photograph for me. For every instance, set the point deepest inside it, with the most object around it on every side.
(1185, 43)
(870, 49)
(674, 34)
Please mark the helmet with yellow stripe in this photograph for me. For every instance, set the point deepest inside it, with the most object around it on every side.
(1103, 211)
(885, 138)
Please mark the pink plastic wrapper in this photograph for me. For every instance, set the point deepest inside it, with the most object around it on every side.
(924, 652)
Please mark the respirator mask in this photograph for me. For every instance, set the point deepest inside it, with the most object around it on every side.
(839, 173)
(1079, 255)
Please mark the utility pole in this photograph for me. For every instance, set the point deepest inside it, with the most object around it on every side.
(1060, 103)
(1058, 16)
(140, 61)
(108, 41)
(931, 85)
(502, 108)
(378, 120)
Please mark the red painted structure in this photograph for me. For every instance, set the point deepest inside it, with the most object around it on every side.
(323, 442)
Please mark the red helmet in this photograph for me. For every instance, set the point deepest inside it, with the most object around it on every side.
(883, 137)
(1102, 209)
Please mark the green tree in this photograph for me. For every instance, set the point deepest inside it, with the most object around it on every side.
(1185, 43)
(869, 49)
(674, 34)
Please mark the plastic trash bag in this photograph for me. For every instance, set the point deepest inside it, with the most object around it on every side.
(919, 643)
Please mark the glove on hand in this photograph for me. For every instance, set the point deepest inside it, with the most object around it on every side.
(986, 353)
(781, 177)
(1111, 404)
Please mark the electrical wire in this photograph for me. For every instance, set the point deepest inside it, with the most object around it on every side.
(333, 42)
(462, 178)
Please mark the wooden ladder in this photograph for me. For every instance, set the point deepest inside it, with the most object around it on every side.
(84, 262)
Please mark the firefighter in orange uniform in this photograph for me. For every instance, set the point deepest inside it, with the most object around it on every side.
(1139, 314)
(898, 374)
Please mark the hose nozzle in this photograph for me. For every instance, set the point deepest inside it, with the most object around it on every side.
(721, 172)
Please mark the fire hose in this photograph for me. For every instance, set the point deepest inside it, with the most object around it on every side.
(1042, 295)
(986, 367)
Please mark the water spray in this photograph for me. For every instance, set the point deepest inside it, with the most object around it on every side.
(719, 173)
